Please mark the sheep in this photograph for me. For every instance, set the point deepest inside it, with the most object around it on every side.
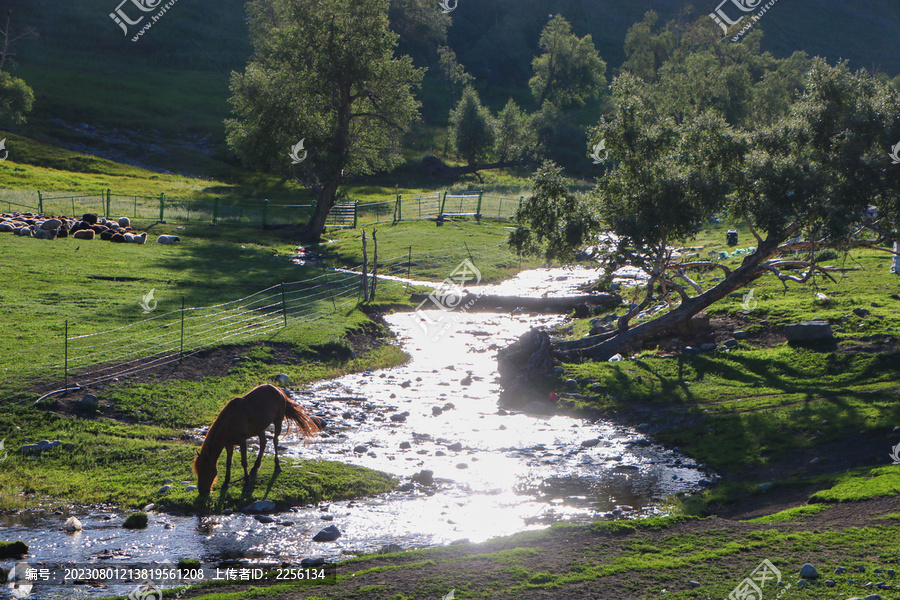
(168, 239)
(6, 228)
(124, 222)
(117, 238)
(90, 218)
(62, 232)
(44, 234)
(106, 235)
(24, 231)
(128, 237)
(141, 239)
(51, 224)
(84, 234)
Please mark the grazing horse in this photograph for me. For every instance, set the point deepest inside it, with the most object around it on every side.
(243, 418)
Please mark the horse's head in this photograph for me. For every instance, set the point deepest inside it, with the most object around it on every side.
(206, 471)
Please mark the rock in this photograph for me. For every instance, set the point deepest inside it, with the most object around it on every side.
(391, 548)
(164, 489)
(329, 534)
(424, 477)
(405, 445)
(149, 507)
(809, 331)
(694, 584)
(168, 481)
(436, 410)
(615, 358)
(191, 488)
(260, 506)
(309, 563)
(398, 418)
(840, 570)
(90, 402)
(327, 517)
(808, 571)
(282, 379)
(361, 449)
(455, 447)
(830, 583)
(740, 335)
(763, 487)
(264, 519)
(448, 406)
(72, 525)
(406, 384)
(462, 466)
(730, 343)
(590, 443)
(571, 385)
(12, 550)
(873, 597)
(861, 312)
(803, 583)
(707, 347)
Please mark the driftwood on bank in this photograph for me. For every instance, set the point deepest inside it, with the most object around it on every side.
(485, 303)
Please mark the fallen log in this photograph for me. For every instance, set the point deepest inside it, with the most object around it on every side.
(485, 303)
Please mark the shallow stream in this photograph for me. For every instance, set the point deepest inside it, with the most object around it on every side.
(497, 471)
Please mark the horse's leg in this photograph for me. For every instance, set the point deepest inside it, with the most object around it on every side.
(229, 451)
(259, 456)
(244, 458)
(275, 442)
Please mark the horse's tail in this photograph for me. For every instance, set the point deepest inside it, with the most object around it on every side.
(295, 413)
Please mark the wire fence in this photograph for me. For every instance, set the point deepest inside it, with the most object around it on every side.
(263, 213)
(88, 359)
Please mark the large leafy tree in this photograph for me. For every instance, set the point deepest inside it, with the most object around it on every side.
(801, 184)
(569, 72)
(323, 71)
(16, 97)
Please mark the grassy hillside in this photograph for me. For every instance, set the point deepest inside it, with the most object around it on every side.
(161, 101)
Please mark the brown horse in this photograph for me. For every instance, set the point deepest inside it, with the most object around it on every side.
(243, 418)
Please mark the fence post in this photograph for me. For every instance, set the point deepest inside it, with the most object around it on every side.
(66, 363)
(284, 304)
(216, 211)
(162, 205)
(356, 214)
(374, 264)
(182, 327)
(107, 202)
(41, 203)
(328, 286)
(408, 268)
(521, 200)
(365, 269)
(443, 201)
(265, 215)
(478, 209)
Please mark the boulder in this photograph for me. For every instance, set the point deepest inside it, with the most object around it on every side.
(424, 477)
(809, 331)
(259, 506)
(329, 534)
(89, 402)
(72, 525)
(808, 571)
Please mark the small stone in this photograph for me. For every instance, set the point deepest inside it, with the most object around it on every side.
(406, 384)
(72, 525)
(590, 443)
(398, 418)
(571, 384)
(191, 488)
(694, 584)
(462, 466)
(282, 379)
(436, 410)
(361, 449)
(424, 477)
(730, 343)
(405, 445)
(808, 571)
(327, 517)
(309, 563)
(449, 406)
(164, 489)
(168, 481)
(861, 312)
(803, 583)
(840, 570)
(707, 347)
(329, 534)
(90, 402)
(264, 519)
(455, 447)
(829, 583)
(740, 335)
(764, 486)
(259, 506)
(873, 597)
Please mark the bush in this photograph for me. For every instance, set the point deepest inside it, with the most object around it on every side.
(136, 520)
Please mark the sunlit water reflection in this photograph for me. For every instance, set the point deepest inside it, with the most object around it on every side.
(496, 471)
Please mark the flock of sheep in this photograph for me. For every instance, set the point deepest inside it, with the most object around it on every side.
(90, 226)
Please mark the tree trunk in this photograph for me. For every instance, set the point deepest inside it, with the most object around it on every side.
(323, 207)
(609, 346)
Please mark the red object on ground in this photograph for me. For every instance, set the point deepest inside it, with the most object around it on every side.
(553, 396)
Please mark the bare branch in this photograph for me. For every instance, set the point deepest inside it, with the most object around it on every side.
(752, 229)
(702, 263)
(691, 282)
